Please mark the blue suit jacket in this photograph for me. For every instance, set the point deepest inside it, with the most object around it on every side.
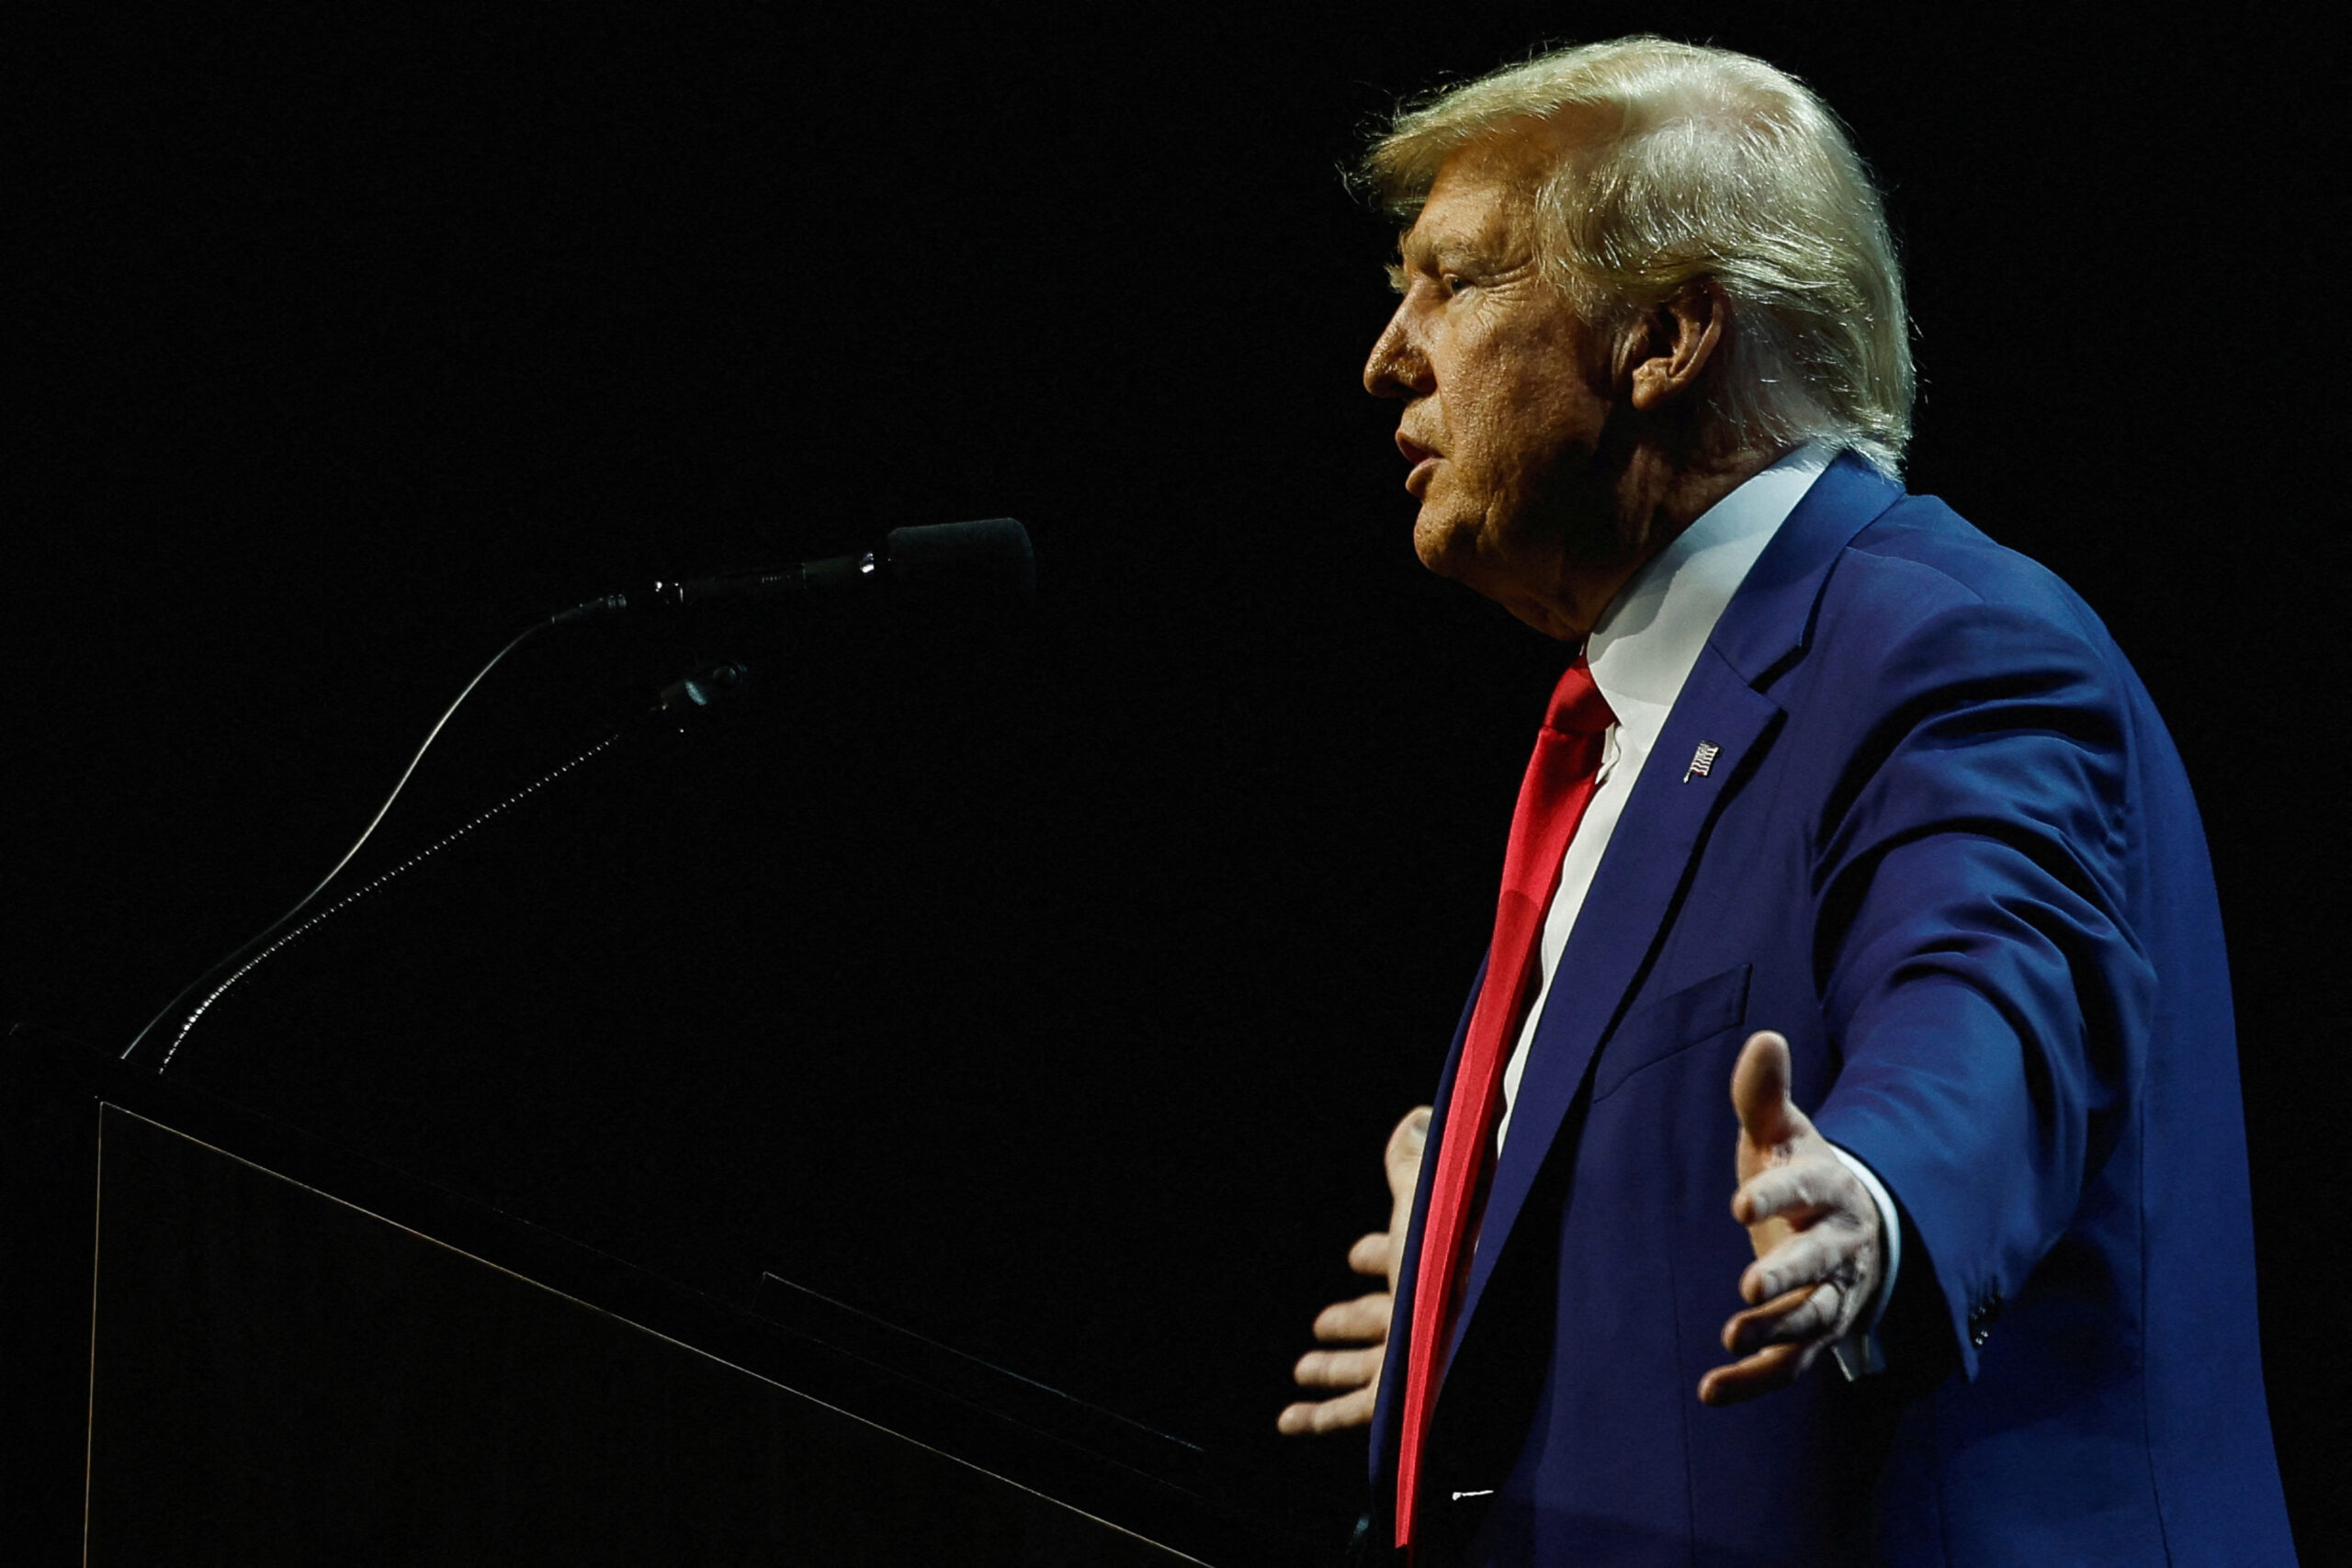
(1947, 848)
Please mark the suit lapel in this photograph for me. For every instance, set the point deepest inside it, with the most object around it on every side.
(1664, 825)
(1640, 879)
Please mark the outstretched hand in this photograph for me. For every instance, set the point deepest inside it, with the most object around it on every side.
(1364, 1322)
(1819, 1253)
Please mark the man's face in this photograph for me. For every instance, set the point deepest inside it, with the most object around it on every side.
(1507, 397)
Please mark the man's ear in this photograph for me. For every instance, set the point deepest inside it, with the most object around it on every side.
(1679, 338)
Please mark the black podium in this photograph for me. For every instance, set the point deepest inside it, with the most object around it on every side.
(231, 1343)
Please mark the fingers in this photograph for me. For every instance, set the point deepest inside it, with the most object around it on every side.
(1831, 1252)
(1759, 1092)
(1817, 1283)
(1774, 1361)
(1794, 1317)
(1777, 1203)
(1340, 1369)
(1813, 1225)
(1766, 1372)
(1330, 1415)
(1839, 1240)
(1799, 1192)
(1357, 1372)
(1366, 1318)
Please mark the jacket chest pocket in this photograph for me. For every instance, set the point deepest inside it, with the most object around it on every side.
(1671, 1025)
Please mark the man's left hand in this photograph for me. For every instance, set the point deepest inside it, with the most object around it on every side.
(1819, 1253)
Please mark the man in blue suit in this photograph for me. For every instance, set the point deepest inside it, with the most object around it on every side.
(1881, 824)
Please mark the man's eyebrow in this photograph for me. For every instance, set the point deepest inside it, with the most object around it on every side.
(1430, 252)
(1433, 254)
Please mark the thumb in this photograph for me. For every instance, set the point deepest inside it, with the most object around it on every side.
(1404, 1160)
(1403, 1156)
(1759, 1092)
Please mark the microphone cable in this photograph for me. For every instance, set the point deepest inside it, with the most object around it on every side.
(988, 562)
(611, 603)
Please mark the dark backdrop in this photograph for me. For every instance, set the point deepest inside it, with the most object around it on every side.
(1048, 988)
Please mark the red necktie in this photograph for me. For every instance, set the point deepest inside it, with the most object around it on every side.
(1551, 802)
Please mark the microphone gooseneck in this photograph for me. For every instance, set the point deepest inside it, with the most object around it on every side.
(985, 566)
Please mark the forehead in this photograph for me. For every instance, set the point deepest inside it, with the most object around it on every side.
(1483, 197)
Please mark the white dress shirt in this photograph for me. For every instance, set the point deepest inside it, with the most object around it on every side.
(1641, 651)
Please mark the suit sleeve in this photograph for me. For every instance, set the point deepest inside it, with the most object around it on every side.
(1978, 976)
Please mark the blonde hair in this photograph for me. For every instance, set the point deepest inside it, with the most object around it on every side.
(1709, 165)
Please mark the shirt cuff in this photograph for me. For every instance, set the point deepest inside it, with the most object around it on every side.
(1858, 1355)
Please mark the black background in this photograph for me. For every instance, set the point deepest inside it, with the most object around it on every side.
(1048, 988)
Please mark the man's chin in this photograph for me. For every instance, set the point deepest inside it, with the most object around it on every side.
(1449, 547)
(1440, 545)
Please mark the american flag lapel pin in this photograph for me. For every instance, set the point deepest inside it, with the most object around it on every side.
(1702, 760)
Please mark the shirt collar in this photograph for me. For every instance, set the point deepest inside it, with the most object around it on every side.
(1651, 635)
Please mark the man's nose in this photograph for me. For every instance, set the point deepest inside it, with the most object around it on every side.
(1397, 367)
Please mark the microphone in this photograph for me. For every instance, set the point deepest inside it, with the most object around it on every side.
(984, 567)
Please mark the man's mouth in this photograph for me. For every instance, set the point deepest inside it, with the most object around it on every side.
(1424, 460)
